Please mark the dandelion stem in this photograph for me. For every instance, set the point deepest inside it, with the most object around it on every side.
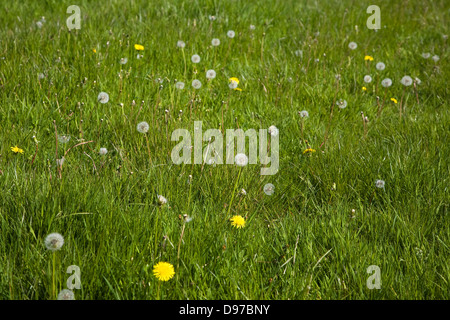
(148, 148)
(382, 104)
(234, 191)
(53, 277)
(401, 102)
(157, 293)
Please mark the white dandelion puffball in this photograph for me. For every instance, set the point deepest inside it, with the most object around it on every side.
(352, 45)
(435, 58)
(304, 114)
(406, 81)
(367, 79)
(269, 189)
(210, 74)
(103, 97)
(386, 82)
(273, 131)
(66, 294)
(380, 66)
(54, 241)
(161, 200)
(143, 127)
(103, 151)
(252, 27)
(181, 44)
(215, 42)
(417, 80)
(123, 60)
(212, 18)
(233, 85)
(195, 58)
(179, 85)
(63, 138)
(341, 103)
(196, 84)
(426, 55)
(379, 183)
(230, 34)
(241, 160)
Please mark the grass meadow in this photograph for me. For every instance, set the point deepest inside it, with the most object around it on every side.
(328, 219)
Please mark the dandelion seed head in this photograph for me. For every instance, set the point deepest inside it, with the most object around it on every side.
(380, 66)
(417, 80)
(63, 138)
(241, 160)
(341, 103)
(181, 44)
(386, 82)
(179, 85)
(66, 294)
(196, 84)
(195, 58)
(215, 42)
(304, 114)
(143, 127)
(269, 189)
(210, 74)
(123, 60)
(54, 241)
(103, 97)
(103, 151)
(161, 200)
(379, 183)
(426, 55)
(230, 34)
(435, 58)
(406, 81)
(273, 131)
(367, 79)
(252, 27)
(243, 192)
(352, 45)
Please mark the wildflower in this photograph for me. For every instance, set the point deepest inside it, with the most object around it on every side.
(417, 80)
(338, 76)
(379, 183)
(103, 151)
(163, 271)
(304, 114)
(269, 189)
(386, 82)
(406, 81)
(179, 85)
(161, 200)
(195, 58)
(139, 56)
(364, 88)
(143, 127)
(237, 221)
(426, 55)
(435, 58)
(394, 100)
(380, 66)
(252, 27)
(16, 149)
(368, 58)
(243, 192)
(139, 47)
(123, 60)
(341, 103)
(230, 34)
(39, 24)
(54, 241)
(103, 97)
(210, 74)
(309, 150)
(367, 79)
(352, 45)
(212, 18)
(234, 79)
(66, 294)
(215, 42)
(63, 138)
(181, 44)
(241, 160)
(273, 131)
(94, 50)
(196, 84)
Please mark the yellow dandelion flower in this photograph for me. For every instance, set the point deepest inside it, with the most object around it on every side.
(94, 50)
(234, 79)
(237, 221)
(163, 271)
(394, 100)
(364, 88)
(368, 58)
(239, 89)
(139, 47)
(309, 150)
(16, 149)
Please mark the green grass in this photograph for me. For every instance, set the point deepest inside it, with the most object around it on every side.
(303, 242)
